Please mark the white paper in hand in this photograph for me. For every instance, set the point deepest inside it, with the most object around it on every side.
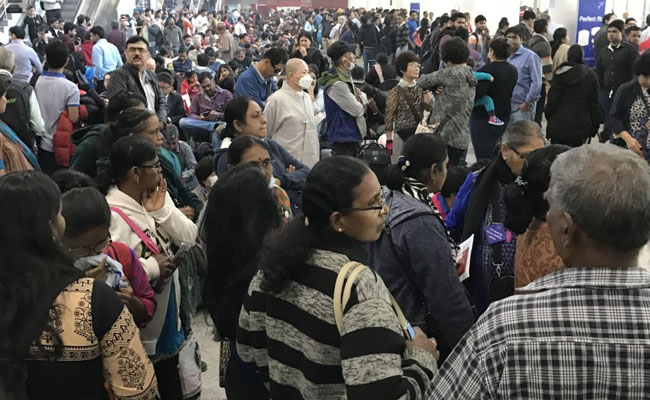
(464, 257)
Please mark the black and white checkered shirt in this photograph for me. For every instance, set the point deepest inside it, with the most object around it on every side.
(583, 334)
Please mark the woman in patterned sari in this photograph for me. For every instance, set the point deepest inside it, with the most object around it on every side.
(62, 335)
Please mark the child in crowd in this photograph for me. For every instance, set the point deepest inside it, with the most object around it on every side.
(444, 200)
(486, 101)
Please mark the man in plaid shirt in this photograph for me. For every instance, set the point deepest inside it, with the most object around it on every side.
(584, 331)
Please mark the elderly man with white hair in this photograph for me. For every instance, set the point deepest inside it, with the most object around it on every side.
(583, 331)
(23, 113)
(290, 115)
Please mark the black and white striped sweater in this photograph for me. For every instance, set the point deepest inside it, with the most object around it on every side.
(292, 340)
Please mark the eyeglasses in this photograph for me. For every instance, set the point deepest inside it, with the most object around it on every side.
(137, 50)
(523, 156)
(276, 70)
(96, 249)
(379, 207)
(156, 166)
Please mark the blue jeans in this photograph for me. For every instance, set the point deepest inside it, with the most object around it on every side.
(199, 130)
(369, 57)
(485, 136)
(524, 115)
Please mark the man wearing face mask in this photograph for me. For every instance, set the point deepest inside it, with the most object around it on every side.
(344, 109)
(290, 118)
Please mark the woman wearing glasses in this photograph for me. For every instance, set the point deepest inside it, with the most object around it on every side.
(287, 330)
(244, 117)
(414, 254)
(145, 218)
(405, 103)
(480, 210)
(88, 218)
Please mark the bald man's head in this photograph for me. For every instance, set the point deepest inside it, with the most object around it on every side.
(296, 69)
(150, 64)
(294, 65)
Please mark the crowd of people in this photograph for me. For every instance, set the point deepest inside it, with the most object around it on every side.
(302, 178)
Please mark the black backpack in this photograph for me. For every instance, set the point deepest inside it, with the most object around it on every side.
(18, 110)
(433, 62)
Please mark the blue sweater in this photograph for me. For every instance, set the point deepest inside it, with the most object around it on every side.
(251, 84)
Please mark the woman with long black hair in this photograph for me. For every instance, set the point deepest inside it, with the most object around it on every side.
(288, 328)
(240, 211)
(58, 328)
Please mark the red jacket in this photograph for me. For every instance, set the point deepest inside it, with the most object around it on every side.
(136, 276)
(63, 147)
(87, 51)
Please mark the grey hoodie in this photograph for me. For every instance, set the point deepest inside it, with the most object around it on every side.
(421, 245)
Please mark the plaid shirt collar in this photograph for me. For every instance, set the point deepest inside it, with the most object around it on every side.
(576, 277)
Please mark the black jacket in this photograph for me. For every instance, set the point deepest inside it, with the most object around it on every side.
(125, 79)
(387, 70)
(367, 37)
(619, 114)
(614, 68)
(314, 56)
(572, 105)
(176, 107)
(600, 40)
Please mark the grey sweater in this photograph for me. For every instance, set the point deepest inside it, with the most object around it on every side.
(292, 340)
(454, 104)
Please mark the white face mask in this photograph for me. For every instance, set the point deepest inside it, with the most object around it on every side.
(271, 182)
(305, 82)
(212, 179)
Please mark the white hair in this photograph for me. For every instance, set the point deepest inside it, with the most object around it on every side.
(7, 59)
(606, 190)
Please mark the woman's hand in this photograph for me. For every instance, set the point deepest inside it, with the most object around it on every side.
(188, 212)
(291, 169)
(134, 304)
(154, 200)
(422, 341)
(631, 143)
(99, 272)
(165, 265)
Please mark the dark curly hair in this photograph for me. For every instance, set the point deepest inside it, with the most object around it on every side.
(403, 60)
(525, 198)
(455, 51)
(330, 187)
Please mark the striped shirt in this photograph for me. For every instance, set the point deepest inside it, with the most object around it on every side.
(292, 340)
(584, 334)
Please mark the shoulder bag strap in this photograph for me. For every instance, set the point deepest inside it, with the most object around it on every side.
(151, 245)
(338, 291)
(342, 296)
(402, 93)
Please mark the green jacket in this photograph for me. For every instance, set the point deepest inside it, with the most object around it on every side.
(92, 145)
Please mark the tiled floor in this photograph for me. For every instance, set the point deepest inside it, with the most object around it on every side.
(202, 328)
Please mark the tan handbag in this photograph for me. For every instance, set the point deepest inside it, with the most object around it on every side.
(343, 289)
